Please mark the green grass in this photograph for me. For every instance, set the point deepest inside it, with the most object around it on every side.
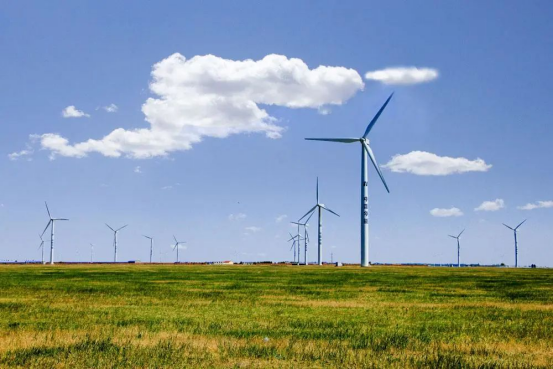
(102, 316)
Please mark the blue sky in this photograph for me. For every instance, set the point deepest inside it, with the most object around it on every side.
(490, 101)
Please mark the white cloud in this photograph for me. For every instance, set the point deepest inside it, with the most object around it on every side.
(402, 75)
(280, 218)
(253, 229)
(424, 163)
(111, 108)
(443, 213)
(21, 154)
(238, 216)
(72, 112)
(208, 96)
(137, 169)
(491, 205)
(537, 205)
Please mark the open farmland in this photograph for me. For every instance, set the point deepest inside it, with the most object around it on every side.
(274, 316)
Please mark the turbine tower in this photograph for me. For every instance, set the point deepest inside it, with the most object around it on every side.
(305, 236)
(51, 223)
(151, 246)
(516, 242)
(91, 252)
(366, 153)
(458, 248)
(319, 207)
(177, 243)
(115, 231)
(295, 239)
(42, 248)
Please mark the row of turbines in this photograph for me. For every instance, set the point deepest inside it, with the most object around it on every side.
(515, 230)
(366, 155)
(51, 224)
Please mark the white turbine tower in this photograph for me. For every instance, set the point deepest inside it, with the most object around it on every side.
(319, 207)
(151, 246)
(51, 222)
(516, 242)
(177, 244)
(458, 248)
(42, 248)
(115, 231)
(91, 252)
(366, 153)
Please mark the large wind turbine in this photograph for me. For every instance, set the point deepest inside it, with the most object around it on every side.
(115, 231)
(151, 246)
(41, 247)
(177, 244)
(51, 222)
(305, 236)
(366, 152)
(319, 207)
(458, 248)
(516, 242)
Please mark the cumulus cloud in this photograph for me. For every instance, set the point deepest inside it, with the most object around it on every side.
(253, 229)
(424, 163)
(402, 75)
(137, 169)
(537, 205)
(238, 216)
(444, 213)
(491, 205)
(72, 112)
(111, 108)
(280, 218)
(208, 96)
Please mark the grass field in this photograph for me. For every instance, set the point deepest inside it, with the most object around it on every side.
(274, 316)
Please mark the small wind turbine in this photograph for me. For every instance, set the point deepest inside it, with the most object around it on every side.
(516, 242)
(458, 247)
(305, 235)
(115, 231)
(91, 252)
(42, 248)
(366, 152)
(177, 244)
(51, 222)
(151, 246)
(319, 207)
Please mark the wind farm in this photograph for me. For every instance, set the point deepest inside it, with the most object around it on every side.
(331, 184)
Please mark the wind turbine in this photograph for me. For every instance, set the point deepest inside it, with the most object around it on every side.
(516, 242)
(51, 222)
(41, 247)
(319, 207)
(294, 238)
(115, 240)
(366, 152)
(458, 247)
(91, 252)
(151, 246)
(177, 243)
(305, 236)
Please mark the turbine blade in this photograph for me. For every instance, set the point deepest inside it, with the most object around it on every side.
(48, 210)
(41, 244)
(122, 227)
(317, 190)
(372, 123)
(50, 221)
(452, 236)
(460, 233)
(309, 218)
(342, 140)
(109, 227)
(373, 160)
(60, 219)
(520, 224)
(296, 223)
(508, 226)
(327, 209)
(313, 208)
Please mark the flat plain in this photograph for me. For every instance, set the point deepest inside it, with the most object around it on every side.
(176, 316)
